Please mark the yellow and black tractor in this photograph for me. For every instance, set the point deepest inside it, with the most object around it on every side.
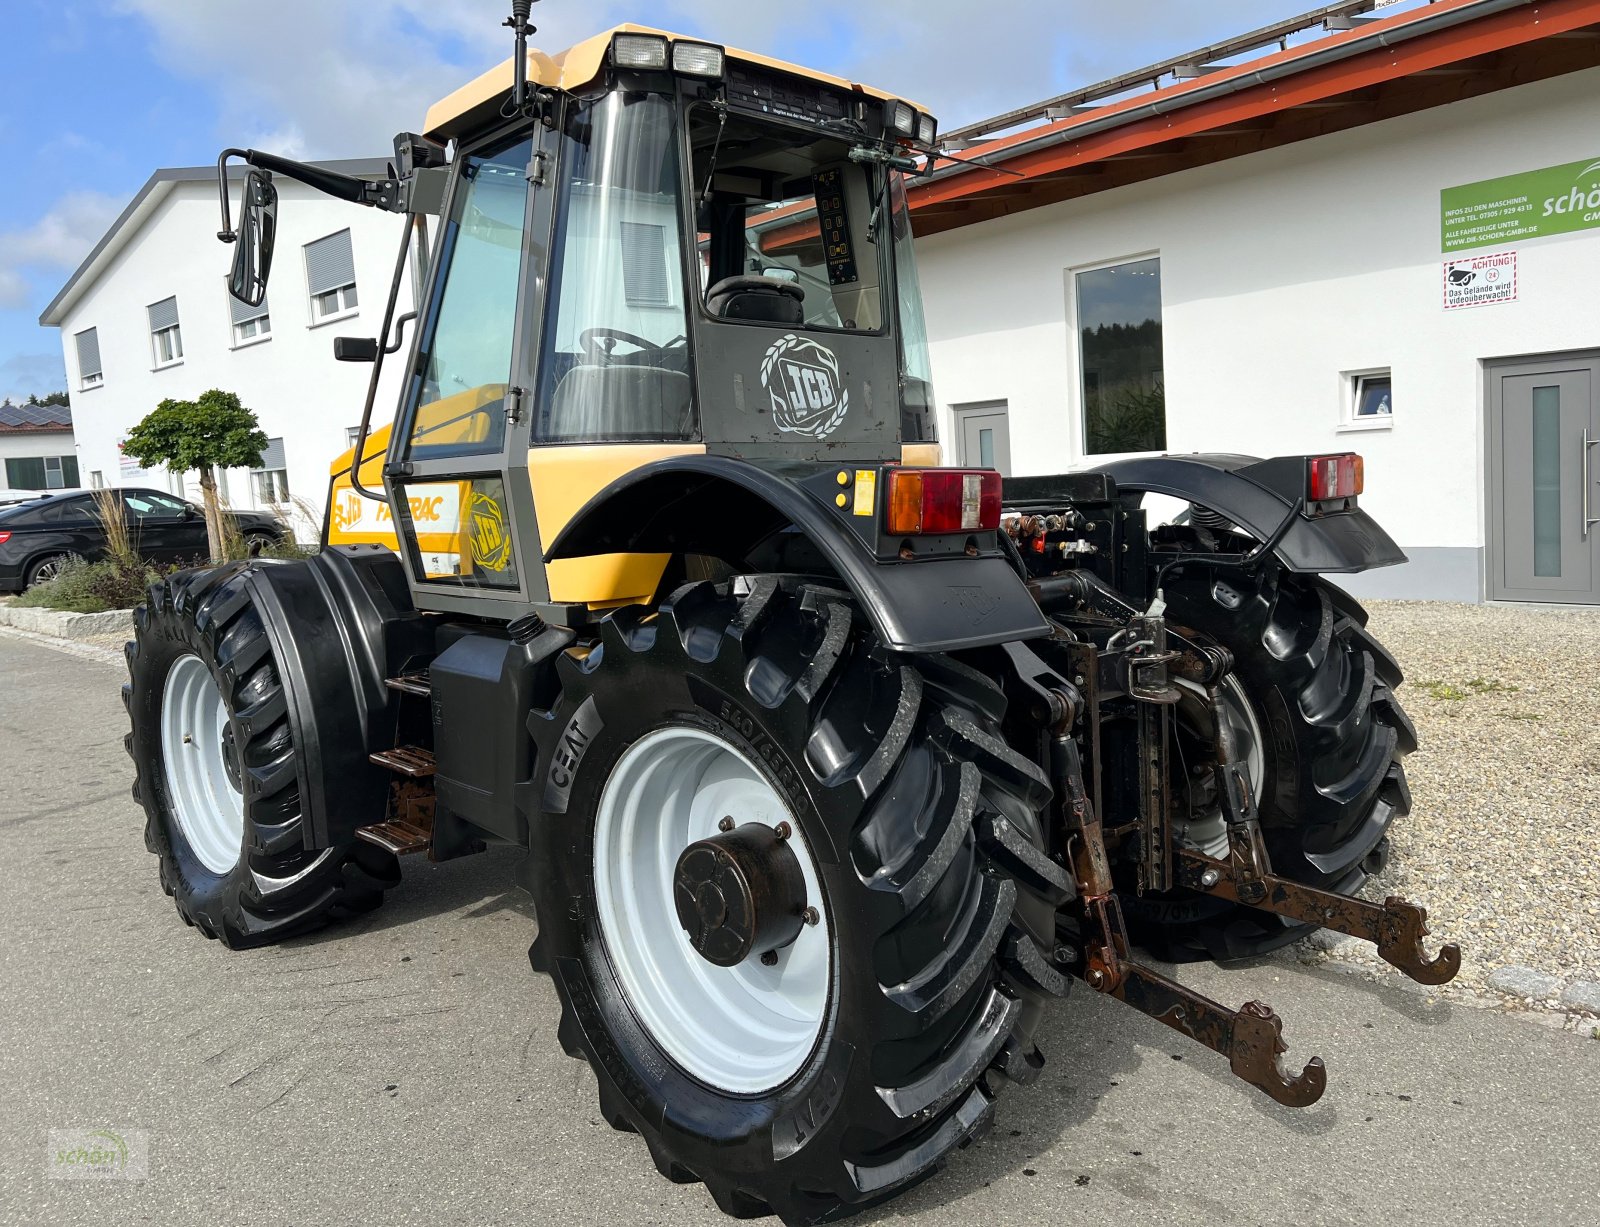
(834, 766)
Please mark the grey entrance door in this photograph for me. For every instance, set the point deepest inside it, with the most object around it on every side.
(1544, 425)
(985, 436)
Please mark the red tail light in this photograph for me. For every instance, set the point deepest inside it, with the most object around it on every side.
(926, 501)
(4, 537)
(1334, 477)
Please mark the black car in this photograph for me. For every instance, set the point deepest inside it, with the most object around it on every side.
(37, 537)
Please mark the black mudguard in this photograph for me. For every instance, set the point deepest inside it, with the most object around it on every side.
(725, 508)
(340, 623)
(1256, 495)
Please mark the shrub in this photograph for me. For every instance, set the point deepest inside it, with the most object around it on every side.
(93, 587)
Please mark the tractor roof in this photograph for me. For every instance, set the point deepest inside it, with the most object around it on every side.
(576, 67)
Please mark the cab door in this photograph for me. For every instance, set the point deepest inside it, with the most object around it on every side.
(458, 483)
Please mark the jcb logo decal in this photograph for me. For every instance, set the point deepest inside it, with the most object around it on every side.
(802, 379)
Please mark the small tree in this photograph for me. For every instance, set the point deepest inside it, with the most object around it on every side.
(211, 432)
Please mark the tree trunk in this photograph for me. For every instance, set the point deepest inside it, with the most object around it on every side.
(215, 538)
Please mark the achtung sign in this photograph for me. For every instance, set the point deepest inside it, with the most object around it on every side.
(1479, 281)
(1530, 205)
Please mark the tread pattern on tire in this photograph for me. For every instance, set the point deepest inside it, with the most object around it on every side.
(963, 919)
(279, 889)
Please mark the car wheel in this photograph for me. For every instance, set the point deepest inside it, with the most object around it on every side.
(45, 569)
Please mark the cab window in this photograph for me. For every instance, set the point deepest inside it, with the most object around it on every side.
(789, 225)
(616, 357)
(466, 358)
(148, 505)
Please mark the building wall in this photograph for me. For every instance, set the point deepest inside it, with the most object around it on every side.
(20, 443)
(291, 380)
(1281, 270)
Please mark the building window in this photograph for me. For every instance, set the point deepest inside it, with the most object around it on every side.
(351, 434)
(89, 372)
(331, 277)
(1368, 400)
(250, 324)
(97, 479)
(271, 480)
(166, 341)
(644, 264)
(1119, 350)
(41, 472)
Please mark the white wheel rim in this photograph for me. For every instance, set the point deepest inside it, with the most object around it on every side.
(742, 1029)
(209, 809)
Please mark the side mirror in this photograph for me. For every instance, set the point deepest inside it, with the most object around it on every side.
(190, 511)
(258, 231)
(355, 349)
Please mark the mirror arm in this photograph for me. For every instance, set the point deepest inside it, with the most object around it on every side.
(399, 332)
(389, 323)
(227, 234)
(386, 194)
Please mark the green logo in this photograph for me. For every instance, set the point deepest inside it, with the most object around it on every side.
(97, 1154)
(1530, 205)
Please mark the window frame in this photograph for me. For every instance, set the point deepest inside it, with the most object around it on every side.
(176, 336)
(1351, 385)
(87, 381)
(345, 310)
(1079, 432)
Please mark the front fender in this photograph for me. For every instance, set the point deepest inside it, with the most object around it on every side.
(724, 508)
(1254, 495)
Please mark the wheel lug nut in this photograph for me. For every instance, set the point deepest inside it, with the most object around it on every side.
(810, 916)
(770, 958)
(725, 825)
(782, 830)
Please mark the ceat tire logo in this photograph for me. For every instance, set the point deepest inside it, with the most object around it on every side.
(802, 378)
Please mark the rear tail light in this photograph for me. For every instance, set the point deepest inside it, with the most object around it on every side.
(926, 501)
(1334, 477)
(4, 537)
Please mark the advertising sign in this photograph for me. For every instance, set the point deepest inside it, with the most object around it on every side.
(1478, 281)
(1556, 200)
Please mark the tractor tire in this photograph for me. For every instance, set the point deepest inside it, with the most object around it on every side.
(1318, 693)
(929, 959)
(216, 770)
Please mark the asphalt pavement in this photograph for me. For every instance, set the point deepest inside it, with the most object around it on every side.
(405, 1069)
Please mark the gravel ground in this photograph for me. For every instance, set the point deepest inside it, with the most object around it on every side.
(1500, 844)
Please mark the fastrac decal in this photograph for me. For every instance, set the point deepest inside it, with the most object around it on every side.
(802, 378)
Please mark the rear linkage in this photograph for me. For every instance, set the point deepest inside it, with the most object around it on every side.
(1139, 662)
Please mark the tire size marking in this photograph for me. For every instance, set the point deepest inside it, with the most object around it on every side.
(736, 718)
(575, 741)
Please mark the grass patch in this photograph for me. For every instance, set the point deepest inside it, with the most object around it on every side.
(1450, 692)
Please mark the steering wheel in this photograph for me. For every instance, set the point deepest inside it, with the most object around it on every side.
(599, 344)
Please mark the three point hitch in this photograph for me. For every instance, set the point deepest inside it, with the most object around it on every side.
(1139, 664)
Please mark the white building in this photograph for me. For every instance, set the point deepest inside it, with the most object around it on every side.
(148, 316)
(36, 448)
(1298, 265)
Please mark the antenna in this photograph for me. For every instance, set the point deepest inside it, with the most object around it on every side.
(518, 21)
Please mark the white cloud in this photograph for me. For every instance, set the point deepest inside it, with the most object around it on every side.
(21, 374)
(340, 79)
(58, 240)
(64, 235)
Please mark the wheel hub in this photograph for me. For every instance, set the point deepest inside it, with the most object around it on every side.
(739, 892)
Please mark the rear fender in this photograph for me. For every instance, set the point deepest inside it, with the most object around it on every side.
(1255, 495)
(725, 508)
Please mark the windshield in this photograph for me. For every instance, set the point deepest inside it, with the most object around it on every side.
(788, 223)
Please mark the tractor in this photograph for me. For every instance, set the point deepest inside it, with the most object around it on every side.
(835, 767)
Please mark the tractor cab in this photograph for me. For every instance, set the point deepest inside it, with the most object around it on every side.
(645, 247)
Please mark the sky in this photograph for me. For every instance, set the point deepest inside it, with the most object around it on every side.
(111, 90)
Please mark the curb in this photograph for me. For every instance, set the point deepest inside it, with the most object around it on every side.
(64, 625)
